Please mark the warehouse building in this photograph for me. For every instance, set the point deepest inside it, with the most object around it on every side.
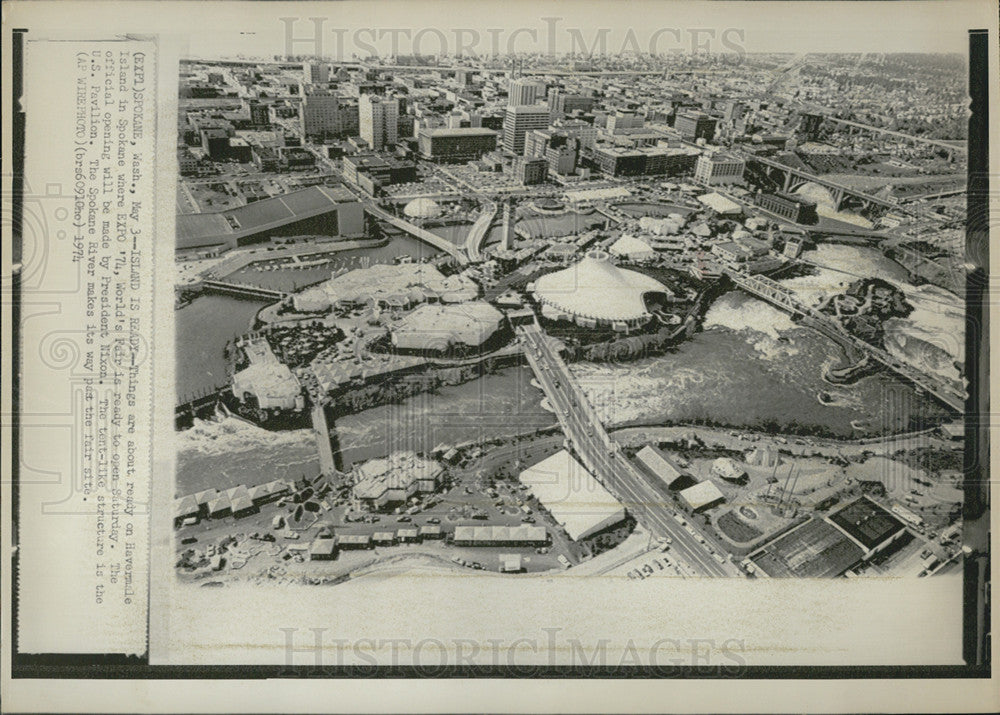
(656, 463)
(524, 535)
(321, 210)
(576, 500)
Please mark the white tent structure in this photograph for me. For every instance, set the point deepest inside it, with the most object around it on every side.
(572, 495)
(632, 248)
(597, 292)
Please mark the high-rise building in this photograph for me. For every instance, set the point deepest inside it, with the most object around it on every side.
(319, 113)
(378, 120)
(518, 121)
(316, 72)
(260, 116)
(524, 92)
(695, 125)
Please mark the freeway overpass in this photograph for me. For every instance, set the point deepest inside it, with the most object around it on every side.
(604, 459)
(773, 292)
(477, 234)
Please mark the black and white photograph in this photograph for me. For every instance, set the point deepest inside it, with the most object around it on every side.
(475, 347)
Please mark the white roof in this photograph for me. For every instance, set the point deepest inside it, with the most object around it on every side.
(658, 463)
(274, 384)
(630, 246)
(616, 192)
(431, 326)
(422, 208)
(596, 288)
(719, 203)
(702, 494)
(572, 495)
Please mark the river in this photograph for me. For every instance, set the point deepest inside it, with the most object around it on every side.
(750, 366)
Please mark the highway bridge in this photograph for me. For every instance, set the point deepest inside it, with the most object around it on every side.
(604, 459)
(443, 244)
(477, 234)
(790, 179)
(767, 289)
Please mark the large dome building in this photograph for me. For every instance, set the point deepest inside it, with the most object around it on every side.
(597, 293)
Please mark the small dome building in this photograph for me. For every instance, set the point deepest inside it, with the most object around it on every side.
(422, 209)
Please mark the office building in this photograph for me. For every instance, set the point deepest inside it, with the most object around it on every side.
(456, 145)
(562, 156)
(531, 170)
(789, 206)
(319, 113)
(315, 72)
(616, 161)
(579, 129)
(518, 121)
(618, 122)
(561, 104)
(260, 115)
(695, 125)
(524, 92)
(378, 120)
(718, 169)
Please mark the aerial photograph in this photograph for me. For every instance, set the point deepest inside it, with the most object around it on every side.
(534, 316)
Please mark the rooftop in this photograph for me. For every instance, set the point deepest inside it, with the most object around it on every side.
(596, 288)
(573, 496)
(866, 522)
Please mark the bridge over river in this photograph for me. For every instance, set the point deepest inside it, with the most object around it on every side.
(773, 292)
(605, 460)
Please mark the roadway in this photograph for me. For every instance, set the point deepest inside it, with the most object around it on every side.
(477, 234)
(606, 462)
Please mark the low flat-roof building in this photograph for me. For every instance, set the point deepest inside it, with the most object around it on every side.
(658, 464)
(524, 535)
(572, 495)
(323, 210)
(703, 495)
(867, 524)
(511, 563)
(720, 204)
